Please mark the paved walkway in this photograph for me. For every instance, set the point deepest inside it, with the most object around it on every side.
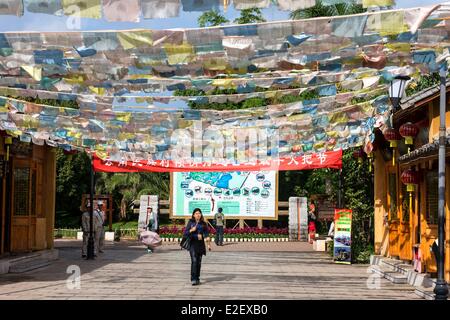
(236, 271)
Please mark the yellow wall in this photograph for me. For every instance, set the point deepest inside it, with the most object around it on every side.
(434, 120)
(381, 230)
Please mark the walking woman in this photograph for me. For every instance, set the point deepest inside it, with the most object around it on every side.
(152, 224)
(197, 230)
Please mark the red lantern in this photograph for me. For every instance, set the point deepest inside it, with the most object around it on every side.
(359, 154)
(392, 136)
(409, 131)
(410, 178)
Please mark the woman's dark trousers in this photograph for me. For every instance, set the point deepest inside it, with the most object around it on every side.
(196, 263)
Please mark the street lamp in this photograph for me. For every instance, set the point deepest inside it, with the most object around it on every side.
(90, 244)
(397, 89)
(441, 288)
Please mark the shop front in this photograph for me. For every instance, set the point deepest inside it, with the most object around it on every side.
(406, 184)
(27, 195)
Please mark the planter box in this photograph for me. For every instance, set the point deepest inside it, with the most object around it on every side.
(109, 236)
(319, 245)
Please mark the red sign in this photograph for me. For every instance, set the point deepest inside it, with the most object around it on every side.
(331, 159)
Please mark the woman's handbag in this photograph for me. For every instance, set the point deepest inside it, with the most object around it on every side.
(186, 243)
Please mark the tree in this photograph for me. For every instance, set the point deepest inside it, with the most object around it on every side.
(127, 187)
(211, 18)
(357, 192)
(252, 15)
(321, 10)
(72, 181)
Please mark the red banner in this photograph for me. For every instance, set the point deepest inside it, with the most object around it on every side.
(331, 159)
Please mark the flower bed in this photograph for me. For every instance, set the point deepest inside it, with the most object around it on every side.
(174, 232)
(241, 233)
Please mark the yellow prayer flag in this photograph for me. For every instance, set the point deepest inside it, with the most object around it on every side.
(226, 83)
(332, 134)
(34, 72)
(177, 54)
(125, 136)
(338, 117)
(399, 46)
(366, 108)
(123, 116)
(97, 90)
(387, 23)
(83, 8)
(378, 3)
(74, 80)
(215, 64)
(134, 39)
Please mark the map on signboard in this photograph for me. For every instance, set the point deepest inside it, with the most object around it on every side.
(238, 193)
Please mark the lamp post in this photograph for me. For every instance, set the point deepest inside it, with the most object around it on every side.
(90, 245)
(441, 288)
(396, 91)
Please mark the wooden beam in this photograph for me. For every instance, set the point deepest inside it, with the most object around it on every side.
(50, 193)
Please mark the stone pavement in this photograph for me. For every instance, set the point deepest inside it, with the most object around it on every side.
(278, 270)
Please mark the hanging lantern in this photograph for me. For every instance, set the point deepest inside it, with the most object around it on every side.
(409, 131)
(392, 136)
(359, 154)
(410, 178)
(370, 157)
(8, 142)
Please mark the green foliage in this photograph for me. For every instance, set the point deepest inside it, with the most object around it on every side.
(252, 15)
(51, 102)
(248, 103)
(127, 187)
(72, 181)
(322, 10)
(211, 18)
(358, 196)
(357, 191)
(424, 82)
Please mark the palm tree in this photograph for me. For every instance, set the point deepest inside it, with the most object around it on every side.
(211, 18)
(321, 10)
(126, 187)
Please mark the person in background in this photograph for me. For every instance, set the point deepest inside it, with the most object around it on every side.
(86, 228)
(197, 230)
(152, 223)
(101, 230)
(312, 218)
(219, 222)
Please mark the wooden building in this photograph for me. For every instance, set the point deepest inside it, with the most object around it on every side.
(27, 196)
(402, 230)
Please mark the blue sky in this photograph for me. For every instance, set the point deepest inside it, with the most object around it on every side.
(43, 22)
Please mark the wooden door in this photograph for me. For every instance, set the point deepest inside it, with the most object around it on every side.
(393, 218)
(24, 204)
(429, 232)
(406, 216)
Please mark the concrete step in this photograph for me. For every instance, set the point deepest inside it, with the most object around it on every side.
(392, 276)
(24, 262)
(426, 293)
(414, 278)
(28, 265)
